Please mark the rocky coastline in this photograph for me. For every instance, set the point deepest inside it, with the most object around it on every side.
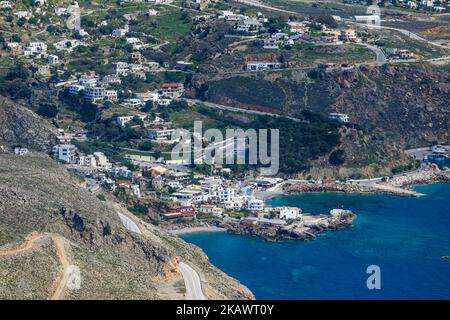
(309, 229)
(399, 185)
(272, 230)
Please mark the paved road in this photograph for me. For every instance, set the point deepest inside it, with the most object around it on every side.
(408, 33)
(192, 283)
(264, 6)
(402, 31)
(380, 56)
(129, 224)
(228, 108)
(420, 153)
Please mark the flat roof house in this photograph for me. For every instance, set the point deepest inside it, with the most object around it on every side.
(172, 90)
(65, 152)
(94, 94)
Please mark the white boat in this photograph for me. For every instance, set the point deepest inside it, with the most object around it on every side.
(439, 150)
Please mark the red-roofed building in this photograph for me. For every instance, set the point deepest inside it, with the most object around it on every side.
(184, 212)
(172, 90)
(123, 183)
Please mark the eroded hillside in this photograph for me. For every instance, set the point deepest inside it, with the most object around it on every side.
(38, 197)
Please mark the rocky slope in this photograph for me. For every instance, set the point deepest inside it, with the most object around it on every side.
(393, 107)
(21, 127)
(37, 195)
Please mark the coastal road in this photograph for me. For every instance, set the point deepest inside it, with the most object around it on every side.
(190, 276)
(192, 282)
(420, 153)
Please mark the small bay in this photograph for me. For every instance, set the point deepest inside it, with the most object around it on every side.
(405, 237)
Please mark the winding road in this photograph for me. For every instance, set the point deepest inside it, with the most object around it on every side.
(191, 278)
(129, 224)
(192, 282)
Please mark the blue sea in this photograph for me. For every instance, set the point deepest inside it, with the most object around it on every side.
(405, 237)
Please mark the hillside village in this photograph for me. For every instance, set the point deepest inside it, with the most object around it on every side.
(135, 84)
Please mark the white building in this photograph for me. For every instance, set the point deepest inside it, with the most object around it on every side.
(52, 59)
(121, 172)
(297, 27)
(15, 46)
(65, 152)
(160, 134)
(289, 212)
(135, 190)
(111, 95)
(23, 14)
(117, 33)
(342, 117)
(248, 26)
(225, 195)
(261, 66)
(172, 90)
(255, 205)
(369, 19)
(88, 81)
(35, 49)
(133, 103)
(5, 5)
(102, 160)
(271, 43)
(111, 79)
(123, 120)
(20, 151)
(121, 68)
(75, 89)
(94, 94)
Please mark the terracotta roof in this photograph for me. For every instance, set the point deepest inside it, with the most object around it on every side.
(171, 85)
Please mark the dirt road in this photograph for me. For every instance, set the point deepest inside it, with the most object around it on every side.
(68, 272)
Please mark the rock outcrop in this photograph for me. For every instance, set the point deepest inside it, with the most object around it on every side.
(306, 230)
(19, 126)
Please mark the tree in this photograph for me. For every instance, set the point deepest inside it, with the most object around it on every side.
(16, 38)
(47, 110)
(18, 72)
(337, 157)
(106, 230)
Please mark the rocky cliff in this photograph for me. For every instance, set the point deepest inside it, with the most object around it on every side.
(391, 108)
(19, 126)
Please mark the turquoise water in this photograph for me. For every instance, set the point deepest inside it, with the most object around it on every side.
(406, 237)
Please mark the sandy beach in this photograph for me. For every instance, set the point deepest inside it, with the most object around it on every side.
(202, 229)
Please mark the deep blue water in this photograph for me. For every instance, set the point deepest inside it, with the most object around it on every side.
(406, 237)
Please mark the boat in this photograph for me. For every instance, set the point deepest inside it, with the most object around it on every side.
(439, 149)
